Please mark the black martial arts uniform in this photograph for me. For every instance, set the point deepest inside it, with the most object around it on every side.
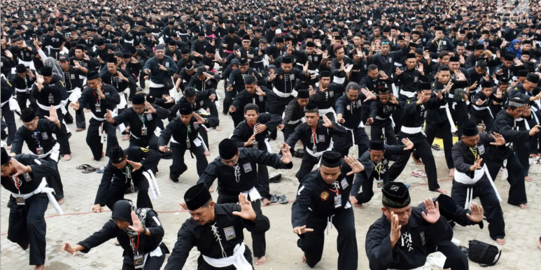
(293, 116)
(283, 89)
(216, 239)
(351, 113)
(109, 192)
(97, 125)
(7, 113)
(184, 138)
(142, 126)
(73, 78)
(382, 127)
(23, 87)
(318, 204)
(242, 134)
(412, 249)
(477, 182)
(483, 112)
(128, 240)
(42, 143)
(243, 178)
(243, 98)
(412, 123)
(27, 221)
(315, 143)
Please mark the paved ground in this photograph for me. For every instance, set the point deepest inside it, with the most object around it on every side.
(520, 252)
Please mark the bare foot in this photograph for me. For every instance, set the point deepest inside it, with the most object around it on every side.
(358, 205)
(261, 260)
(418, 162)
(539, 243)
(66, 157)
(441, 190)
(207, 153)
(303, 258)
(39, 267)
(218, 128)
(211, 189)
(451, 172)
(87, 110)
(80, 129)
(266, 202)
(61, 201)
(533, 155)
(500, 241)
(527, 179)
(126, 137)
(523, 206)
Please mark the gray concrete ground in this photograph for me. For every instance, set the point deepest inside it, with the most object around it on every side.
(520, 252)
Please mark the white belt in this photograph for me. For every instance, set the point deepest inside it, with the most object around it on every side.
(123, 103)
(451, 95)
(284, 95)
(21, 90)
(174, 141)
(54, 152)
(75, 95)
(381, 118)
(469, 191)
(449, 117)
(237, 259)
(326, 111)
(338, 80)
(42, 189)
(154, 190)
(253, 193)
(13, 104)
(312, 72)
(352, 133)
(46, 108)
(466, 180)
(411, 130)
(294, 122)
(97, 118)
(257, 62)
(407, 94)
(477, 108)
(318, 154)
(155, 85)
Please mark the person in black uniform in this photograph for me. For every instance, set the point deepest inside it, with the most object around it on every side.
(399, 238)
(381, 111)
(317, 136)
(325, 95)
(376, 165)
(294, 115)
(49, 90)
(74, 76)
(348, 109)
(22, 83)
(253, 94)
(217, 232)
(481, 102)
(142, 118)
(322, 198)
(139, 233)
(236, 170)
(23, 175)
(99, 97)
(283, 82)
(120, 80)
(471, 178)
(39, 137)
(124, 167)
(254, 133)
(184, 134)
(412, 122)
(7, 113)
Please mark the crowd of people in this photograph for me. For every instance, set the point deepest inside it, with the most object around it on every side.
(311, 75)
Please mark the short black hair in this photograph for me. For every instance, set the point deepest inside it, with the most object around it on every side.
(372, 67)
(353, 86)
(189, 92)
(251, 107)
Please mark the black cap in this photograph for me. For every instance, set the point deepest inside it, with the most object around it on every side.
(533, 78)
(63, 58)
(410, 55)
(246, 37)
(28, 115)
(424, 86)
(92, 75)
(486, 84)
(5, 157)
(447, 206)
(228, 149)
(100, 42)
(310, 44)
(479, 47)
(454, 59)
(150, 99)
(231, 30)
(522, 73)
(200, 71)
(185, 108)
(324, 73)
(508, 57)
(311, 107)
(287, 60)
(249, 79)
(303, 93)
(377, 145)
(159, 47)
(197, 196)
(481, 64)
(122, 211)
(138, 100)
(470, 129)
(46, 71)
(21, 68)
(395, 195)
(244, 61)
(331, 159)
(116, 155)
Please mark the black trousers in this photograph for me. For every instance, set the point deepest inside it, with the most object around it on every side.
(368, 187)
(447, 136)
(263, 185)
(365, 111)
(259, 243)
(80, 120)
(312, 243)
(456, 258)
(213, 118)
(93, 138)
(517, 190)
(397, 116)
(152, 263)
(522, 149)
(361, 139)
(376, 133)
(489, 201)
(23, 98)
(424, 151)
(203, 265)
(62, 140)
(460, 115)
(477, 116)
(150, 141)
(27, 225)
(237, 117)
(228, 100)
(158, 92)
(179, 167)
(119, 186)
(55, 182)
(288, 130)
(9, 118)
(307, 164)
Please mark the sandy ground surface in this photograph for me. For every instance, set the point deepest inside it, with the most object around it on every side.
(522, 226)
